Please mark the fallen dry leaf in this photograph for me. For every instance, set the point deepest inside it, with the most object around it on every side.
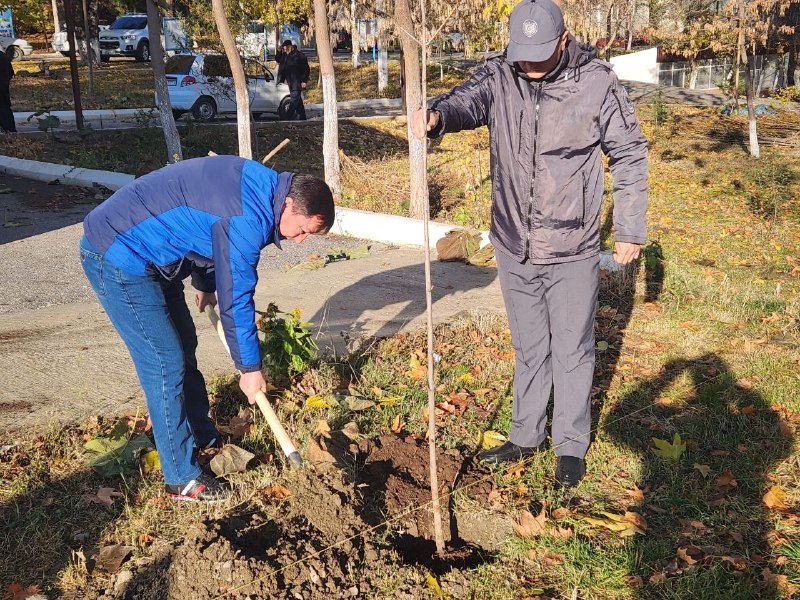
(231, 459)
(636, 494)
(726, 482)
(775, 498)
(720, 453)
(317, 454)
(690, 554)
(744, 384)
(397, 424)
(321, 427)
(530, 526)
(657, 578)
(633, 580)
(104, 496)
(781, 583)
(112, 557)
(703, 469)
(146, 539)
(749, 410)
(739, 563)
(552, 559)
(671, 451)
(15, 591)
(240, 424)
(784, 427)
(277, 492)
(636, 519)
(560, 513)
(491, 439)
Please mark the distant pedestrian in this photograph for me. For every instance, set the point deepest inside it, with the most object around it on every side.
(293, 70)
(6, 74)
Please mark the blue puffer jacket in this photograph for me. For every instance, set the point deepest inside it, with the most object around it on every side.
(209, 216)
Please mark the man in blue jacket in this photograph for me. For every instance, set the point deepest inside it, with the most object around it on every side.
(552, 109)
(208, 217)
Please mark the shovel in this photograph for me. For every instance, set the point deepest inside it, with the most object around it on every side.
(261, 400)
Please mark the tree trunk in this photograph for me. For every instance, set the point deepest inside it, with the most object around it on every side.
(171, 136)
(693, 72)
(87, 40)
(609, 41)
(413, 95)
(356, 50)
(791, 65)
(383, 57)
(434, 471)
(403, 103)
(69, 13)
(748, 81)
(239, 80)
(330, 139)
(56, 19)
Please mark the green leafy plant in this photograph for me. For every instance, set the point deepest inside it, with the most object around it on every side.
(660, 108)
(118, 452)
(48, 123)
(287, 345)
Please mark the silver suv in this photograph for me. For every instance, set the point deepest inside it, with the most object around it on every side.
(127, 36)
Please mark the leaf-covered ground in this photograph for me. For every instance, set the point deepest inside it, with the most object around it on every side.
(692, 486)
(128, 84)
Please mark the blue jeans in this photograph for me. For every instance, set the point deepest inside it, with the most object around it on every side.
(296, 107)
(151, 316)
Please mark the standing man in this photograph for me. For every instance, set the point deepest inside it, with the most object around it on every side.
(208, 217)
(294, 71)
(6, 75)
(552, 109)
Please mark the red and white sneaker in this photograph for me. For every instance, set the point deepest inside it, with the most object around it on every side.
(203, 489)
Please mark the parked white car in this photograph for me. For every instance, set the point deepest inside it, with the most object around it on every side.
(127, 36)
(203, 85)
(15, 48)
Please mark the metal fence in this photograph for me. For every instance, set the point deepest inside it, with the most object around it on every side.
(713, 72)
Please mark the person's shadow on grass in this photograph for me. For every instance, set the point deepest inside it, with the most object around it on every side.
(709, 533)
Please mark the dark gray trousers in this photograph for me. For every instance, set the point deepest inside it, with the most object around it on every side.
(551, 311)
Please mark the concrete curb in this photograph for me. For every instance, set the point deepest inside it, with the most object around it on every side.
(88, 115)
(127, 113)
(41, 171)
(362, 224)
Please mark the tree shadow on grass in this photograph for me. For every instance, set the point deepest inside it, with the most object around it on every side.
(49, 531)
(718, 519)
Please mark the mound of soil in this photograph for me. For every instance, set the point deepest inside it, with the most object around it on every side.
(310, 546)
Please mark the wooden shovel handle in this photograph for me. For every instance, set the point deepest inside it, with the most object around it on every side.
(261, 401)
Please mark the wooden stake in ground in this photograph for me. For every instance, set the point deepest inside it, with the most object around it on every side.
(171, 136)
(239, 81)
(435, 506)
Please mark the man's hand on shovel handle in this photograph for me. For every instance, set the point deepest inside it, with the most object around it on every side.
(252, 383)
(203, 299)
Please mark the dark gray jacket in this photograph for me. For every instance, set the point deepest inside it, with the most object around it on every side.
(546, 142)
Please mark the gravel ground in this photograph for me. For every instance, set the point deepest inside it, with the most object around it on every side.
(39, 234)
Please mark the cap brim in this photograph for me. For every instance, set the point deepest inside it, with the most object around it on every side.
(531, 52)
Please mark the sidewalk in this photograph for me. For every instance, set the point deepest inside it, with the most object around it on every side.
(65, 363)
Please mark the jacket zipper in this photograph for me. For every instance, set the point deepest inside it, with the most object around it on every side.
(583, 204)
(619, 103)
(537, 94)
(519, 138)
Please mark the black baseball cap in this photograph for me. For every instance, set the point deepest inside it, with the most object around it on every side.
(536, 27)
(287, 43)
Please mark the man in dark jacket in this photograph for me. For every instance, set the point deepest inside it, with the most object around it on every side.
(293, 70)
(552, 110)
(209, 217)
(6, 75)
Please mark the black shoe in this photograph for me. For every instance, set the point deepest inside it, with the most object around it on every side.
(506, 452)
(570, 470)
(203, 489)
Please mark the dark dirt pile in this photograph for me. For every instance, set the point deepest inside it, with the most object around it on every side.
(257, 554)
